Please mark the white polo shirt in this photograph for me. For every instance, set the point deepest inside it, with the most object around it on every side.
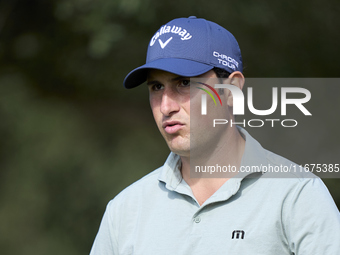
(249, 216)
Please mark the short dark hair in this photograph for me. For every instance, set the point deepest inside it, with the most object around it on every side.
(221, 73)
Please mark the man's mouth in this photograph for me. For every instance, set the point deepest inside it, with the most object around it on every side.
(171, 127)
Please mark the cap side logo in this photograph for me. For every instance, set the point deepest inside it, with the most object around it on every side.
(226, 60)
(164, 44)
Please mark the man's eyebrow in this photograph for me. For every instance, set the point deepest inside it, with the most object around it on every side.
(152, 82)
(177, 78)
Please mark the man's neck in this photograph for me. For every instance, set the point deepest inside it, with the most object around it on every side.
(228, 152)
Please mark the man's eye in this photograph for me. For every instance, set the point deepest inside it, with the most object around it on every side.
(157, 87)
(185, 83)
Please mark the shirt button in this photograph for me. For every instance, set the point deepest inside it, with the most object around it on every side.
(197, 219)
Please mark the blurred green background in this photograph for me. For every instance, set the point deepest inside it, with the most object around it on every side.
(71, 137)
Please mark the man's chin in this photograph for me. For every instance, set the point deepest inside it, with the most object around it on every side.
(183, 151)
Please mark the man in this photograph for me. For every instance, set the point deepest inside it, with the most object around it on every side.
(167, 212)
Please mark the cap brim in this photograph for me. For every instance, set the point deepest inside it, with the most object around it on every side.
(182, 67)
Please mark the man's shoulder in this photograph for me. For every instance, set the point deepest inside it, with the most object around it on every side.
(290, 183)
(285, 168)
(139, 196)
(269, 163)
(150, 188)
(277, 172)
(147, 182)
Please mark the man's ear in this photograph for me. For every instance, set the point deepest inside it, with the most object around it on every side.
(237, 79)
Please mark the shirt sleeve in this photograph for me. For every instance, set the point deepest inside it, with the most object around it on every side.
(105, 242)
(312, 220)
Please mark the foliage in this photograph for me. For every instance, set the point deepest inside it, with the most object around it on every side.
(72, 137)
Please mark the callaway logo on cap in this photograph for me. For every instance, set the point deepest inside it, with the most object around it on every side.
(189, 47)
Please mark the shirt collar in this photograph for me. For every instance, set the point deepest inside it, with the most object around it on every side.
(170, 173)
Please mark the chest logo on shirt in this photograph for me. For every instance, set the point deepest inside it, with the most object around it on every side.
(238, 234)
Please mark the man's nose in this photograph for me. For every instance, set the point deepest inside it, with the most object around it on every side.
(169, 104)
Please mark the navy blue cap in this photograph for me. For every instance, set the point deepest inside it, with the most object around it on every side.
(189, 47)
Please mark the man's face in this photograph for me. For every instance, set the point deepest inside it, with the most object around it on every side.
(170, 103)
